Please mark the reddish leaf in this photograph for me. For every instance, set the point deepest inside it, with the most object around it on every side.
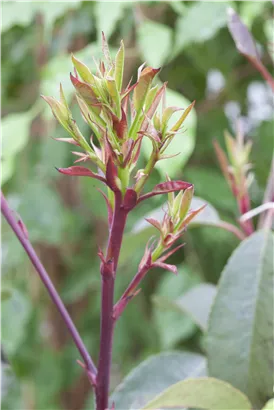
(166, 266)
(68, 140)
(110, 211)
(165, 187)
(144, 81)
(120, 126)
(112, 176)
(80, 172)
(168, 254)
(155, 223)
(86, 92)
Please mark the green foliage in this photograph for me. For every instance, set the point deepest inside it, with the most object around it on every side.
(173, 326)
(208, 19)
(206, 393)
(154, 375)
(150, 34)
(245, 300)
(66, 219)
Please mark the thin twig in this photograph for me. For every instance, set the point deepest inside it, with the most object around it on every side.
(18, 228)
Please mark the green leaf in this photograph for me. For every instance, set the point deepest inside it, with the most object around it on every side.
(107, 16)
(269, 405)
(154, 41)
(205, 393)
(199, 23)
(154, 375)
(250, 10)
(15, 135)
(196, 303)
(173, 325)
(17, 13)
(183, 143)
(15, 315)
(240, 332)
(8, 166)
(6, 293)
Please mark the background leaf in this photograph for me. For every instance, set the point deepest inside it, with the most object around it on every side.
(244, 307)
(15, 315)
(154, 375)
(206, 393)
(196, 303)
(208, 19)
(154, 42)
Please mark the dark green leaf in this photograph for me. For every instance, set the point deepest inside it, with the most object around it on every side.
(240, 335)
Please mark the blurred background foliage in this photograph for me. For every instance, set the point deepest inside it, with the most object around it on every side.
(66, 217)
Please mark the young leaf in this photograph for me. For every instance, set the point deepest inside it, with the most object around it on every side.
(119, 66)
(83, 70)
(240, 332)
(205, 393)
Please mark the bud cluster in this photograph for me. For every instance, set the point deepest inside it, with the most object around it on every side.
(119, 119)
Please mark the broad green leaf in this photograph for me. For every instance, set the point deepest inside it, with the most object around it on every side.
(269, 405)
(199, 23)
(240, 332)
(15, 314)
(107, 16)
(204, 393)
(154, 41)
(196, 303)
(154, 375)
(173, 325)
(182, 144)
(22, 13)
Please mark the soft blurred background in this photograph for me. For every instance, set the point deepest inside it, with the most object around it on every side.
(66, 217)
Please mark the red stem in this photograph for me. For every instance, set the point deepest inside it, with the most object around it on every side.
(244, 206)
(21, 235)
(108, 273)
(265, 73)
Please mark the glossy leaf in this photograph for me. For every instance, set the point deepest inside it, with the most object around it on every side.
(205, 393)
(240, 333)
(155, 374)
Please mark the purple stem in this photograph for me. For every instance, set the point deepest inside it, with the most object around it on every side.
(108, 273)
(21, 235)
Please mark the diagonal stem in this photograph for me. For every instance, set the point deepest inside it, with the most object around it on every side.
(21, 235)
